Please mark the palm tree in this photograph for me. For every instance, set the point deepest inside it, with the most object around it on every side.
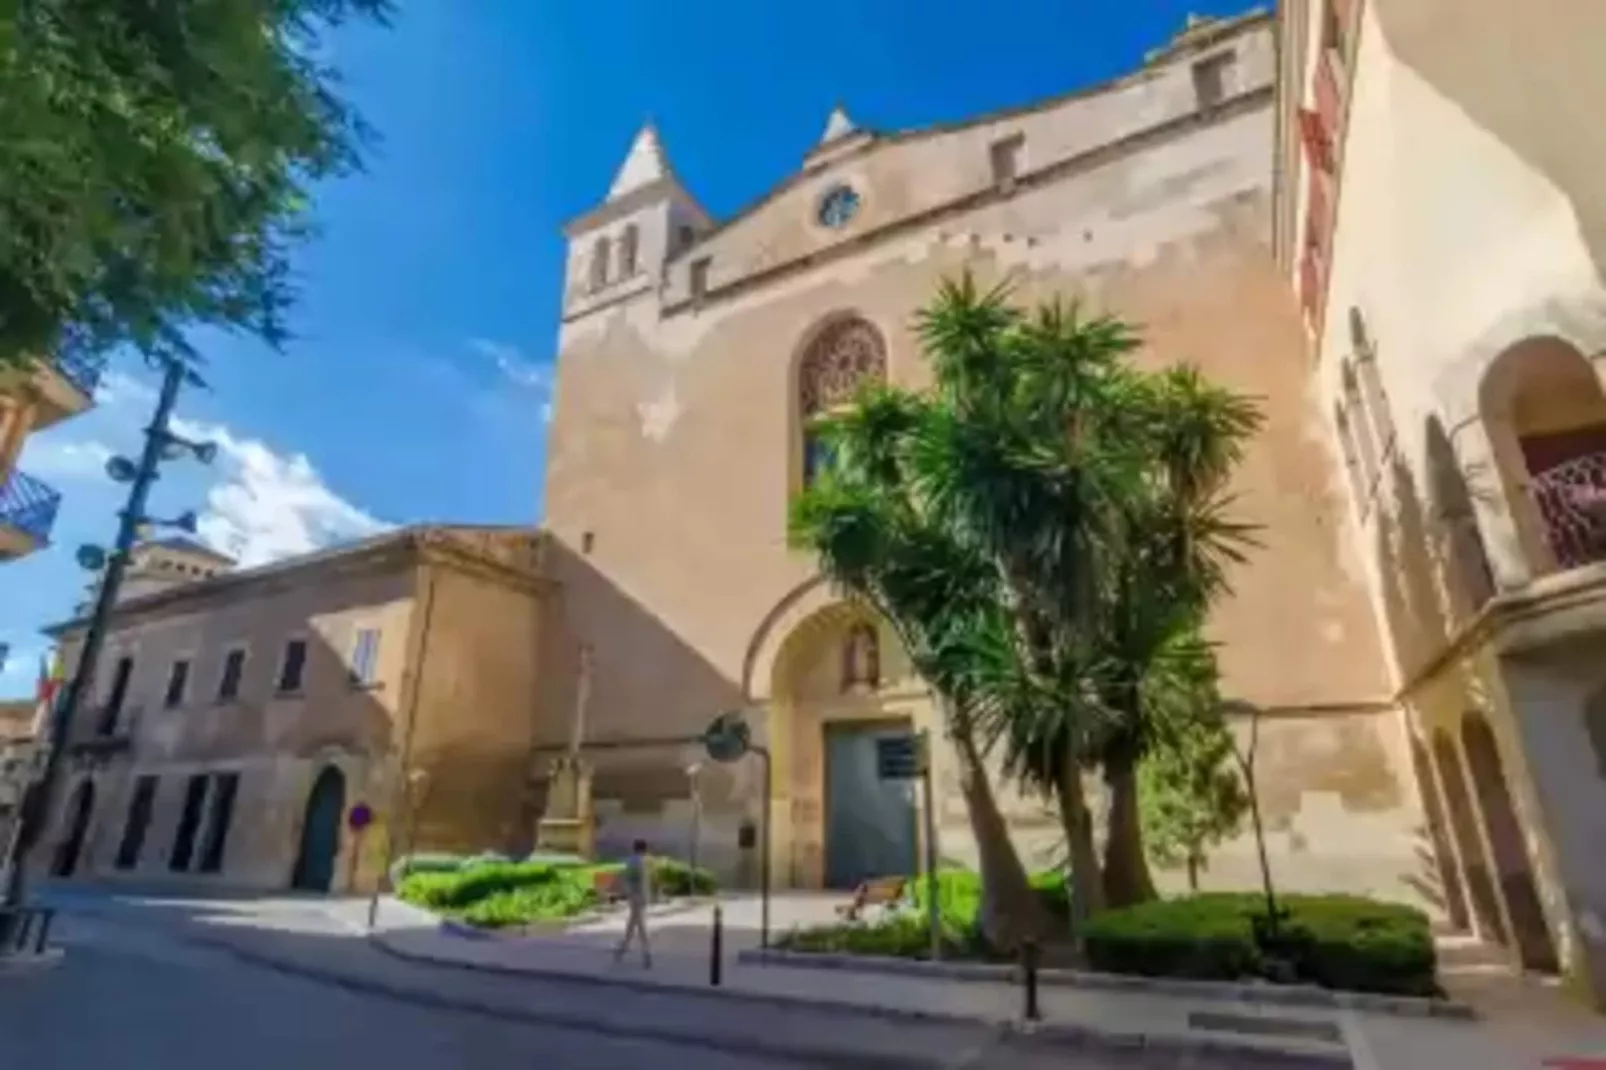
(1179, 540)
(865, 522)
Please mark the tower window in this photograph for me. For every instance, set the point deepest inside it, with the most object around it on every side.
(699, 277)
(1210, 79)
(599, 262)
(628, 242)
(846, 355)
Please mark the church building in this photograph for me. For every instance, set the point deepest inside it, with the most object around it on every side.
(693, 351)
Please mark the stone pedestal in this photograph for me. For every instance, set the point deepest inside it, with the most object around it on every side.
(568, 825)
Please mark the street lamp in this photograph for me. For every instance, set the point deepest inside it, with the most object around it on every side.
(161, 444)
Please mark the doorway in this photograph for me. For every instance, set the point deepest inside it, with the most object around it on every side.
(320, 833)
(82, 809)
(870, 823)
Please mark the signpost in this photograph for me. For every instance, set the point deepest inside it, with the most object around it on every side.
(908, 757)
(358, 818)
(726, 740)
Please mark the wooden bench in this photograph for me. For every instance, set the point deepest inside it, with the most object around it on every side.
(881, 892)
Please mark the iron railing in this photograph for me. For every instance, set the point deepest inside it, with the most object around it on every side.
(82, 370)
(1571, 497)
(29, 505)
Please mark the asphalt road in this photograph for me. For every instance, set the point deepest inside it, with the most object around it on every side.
(148, 986)
(131, 999)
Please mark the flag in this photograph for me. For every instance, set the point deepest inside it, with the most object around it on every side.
(51, 672)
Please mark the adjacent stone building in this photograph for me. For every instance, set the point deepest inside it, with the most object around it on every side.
(240, 718)
(1443, 218)
(36, 394)
(692, 351)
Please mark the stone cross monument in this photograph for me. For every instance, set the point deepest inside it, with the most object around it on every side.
(567, 825)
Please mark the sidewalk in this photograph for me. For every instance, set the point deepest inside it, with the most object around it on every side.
(1522, 1023)
(682, 964)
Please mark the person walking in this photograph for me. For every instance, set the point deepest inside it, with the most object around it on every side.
(638, 893)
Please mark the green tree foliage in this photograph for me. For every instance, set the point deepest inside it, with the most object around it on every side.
(1192, 796)
(158, 157)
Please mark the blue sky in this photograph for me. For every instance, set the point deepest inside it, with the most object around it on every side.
(418, 384)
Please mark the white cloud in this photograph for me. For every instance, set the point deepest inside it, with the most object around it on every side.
(120, 390)
(271, 505)
(512, 363)
(55, 458)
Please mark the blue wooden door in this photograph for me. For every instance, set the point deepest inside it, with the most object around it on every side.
(320, 833)
(870, 823)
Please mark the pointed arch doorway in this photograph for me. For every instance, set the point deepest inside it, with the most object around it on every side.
(320, 833)
(82, 809)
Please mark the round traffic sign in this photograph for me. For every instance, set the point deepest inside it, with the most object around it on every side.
(360, 817)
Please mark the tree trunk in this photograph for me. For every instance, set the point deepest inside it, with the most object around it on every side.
(1193, 871)
(1087, 892)
(1010, 910)
(1126, 870)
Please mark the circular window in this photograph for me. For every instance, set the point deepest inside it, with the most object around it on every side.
(840, 204)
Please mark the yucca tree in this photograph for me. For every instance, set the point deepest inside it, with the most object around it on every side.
(876, 541)
(1178, 539)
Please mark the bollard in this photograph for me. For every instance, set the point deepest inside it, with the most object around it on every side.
(1028, 961)
(716, 951)
(43, 938)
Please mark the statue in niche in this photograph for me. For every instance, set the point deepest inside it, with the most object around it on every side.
(861, 659)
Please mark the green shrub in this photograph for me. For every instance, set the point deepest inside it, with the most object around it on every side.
(469, 885)
(959, 893)
(904, 935)
(1344, 942)
(424, 862)
(552, 901)
(672, 877)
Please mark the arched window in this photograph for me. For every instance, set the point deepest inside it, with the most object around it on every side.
(628, 242)
(843, 357)
(1360, 429)
(599, 262)
(1352, 460)
(1376, 398)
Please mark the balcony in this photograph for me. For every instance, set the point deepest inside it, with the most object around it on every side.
(66, 385)
(107, 732)
(27, 513)
(1571, 498)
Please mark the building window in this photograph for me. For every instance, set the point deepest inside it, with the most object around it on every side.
(293, 668)
(217, 827)
(600, 252)
(1005, 156)
(629, 241)
(139, 822)
(1332, 28)
(178, 679)
(1210, 79)
(189, 822)
(118, 695)
(365, 658)
(228, 686)
(844, 357)
(699, 277)
(687, 237)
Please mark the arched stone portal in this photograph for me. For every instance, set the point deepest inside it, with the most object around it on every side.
(839, 823)
(1464, 827)
(320, 833)
(1506, 841)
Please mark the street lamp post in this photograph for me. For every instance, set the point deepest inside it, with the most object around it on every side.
(160, 444)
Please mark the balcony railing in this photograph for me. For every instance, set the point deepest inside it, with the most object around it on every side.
(1571, 497)
(83, 370)
(29, 505)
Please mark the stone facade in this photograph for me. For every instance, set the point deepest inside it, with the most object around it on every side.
(690, 352)
(1443, 220)
(397, 673)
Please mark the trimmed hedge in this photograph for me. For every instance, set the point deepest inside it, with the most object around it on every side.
(959, 893)
(1336, 941)
(494, 893)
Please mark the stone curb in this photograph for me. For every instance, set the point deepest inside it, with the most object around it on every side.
(1213, 991)
(1046, 1035)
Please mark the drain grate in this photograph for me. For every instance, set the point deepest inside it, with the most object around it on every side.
(1254, 1025)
